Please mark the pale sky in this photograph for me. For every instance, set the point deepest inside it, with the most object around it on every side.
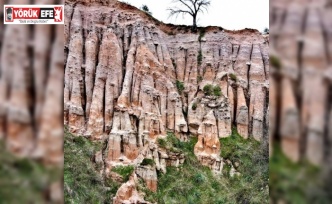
(229, 14)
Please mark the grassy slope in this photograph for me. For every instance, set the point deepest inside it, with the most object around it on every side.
(24, 180)
(296, 182)
(82, 182)
(194, 183)
(191, 183)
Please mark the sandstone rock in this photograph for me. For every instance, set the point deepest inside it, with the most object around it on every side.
(290, 127)
(149, 175)
(128, 193)
(207, 148)
(242, 119)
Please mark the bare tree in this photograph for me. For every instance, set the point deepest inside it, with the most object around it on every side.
(191, 7)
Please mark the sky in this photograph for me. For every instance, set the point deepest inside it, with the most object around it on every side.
(229, 14)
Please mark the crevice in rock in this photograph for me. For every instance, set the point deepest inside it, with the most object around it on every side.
(156, 50)
(298, 91)
(264, 65)
(185, 57)
(217, 122)
(104, 105)
(327, 128)
(247, 93)
(325, 38)
(234, 89)
(121, 144)
(265, 118)
(276, 135)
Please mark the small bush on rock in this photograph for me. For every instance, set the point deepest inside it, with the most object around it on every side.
(233, 77)
(179, 86)
(208, 89)
(216, 91)
(147, 162)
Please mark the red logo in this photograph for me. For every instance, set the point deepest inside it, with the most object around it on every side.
(58, 14)
(33, 14)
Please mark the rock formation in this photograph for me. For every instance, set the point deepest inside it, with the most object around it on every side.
(31, 92)
(128, 193)
(129, 79)
(300, 83)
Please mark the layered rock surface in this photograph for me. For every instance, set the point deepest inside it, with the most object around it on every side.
(123, 83)
(301, 79)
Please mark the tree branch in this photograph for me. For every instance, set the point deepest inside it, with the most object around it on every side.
(203, 5)
(178, 11)
(184, 3)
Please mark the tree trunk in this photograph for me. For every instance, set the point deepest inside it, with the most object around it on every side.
(194, 28)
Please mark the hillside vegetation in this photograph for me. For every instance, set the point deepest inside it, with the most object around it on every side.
(190, 183)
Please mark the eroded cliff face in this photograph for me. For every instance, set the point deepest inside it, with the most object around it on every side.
(130, 79)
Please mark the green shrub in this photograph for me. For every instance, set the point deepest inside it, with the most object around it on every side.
(162, 143)
(208, 89)
(199, 58)
(233, 77)
(194, 106)
(179, 86)
(275, 62)
(147, 162)
(124, 171)
(199, 178)
(216, 91)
